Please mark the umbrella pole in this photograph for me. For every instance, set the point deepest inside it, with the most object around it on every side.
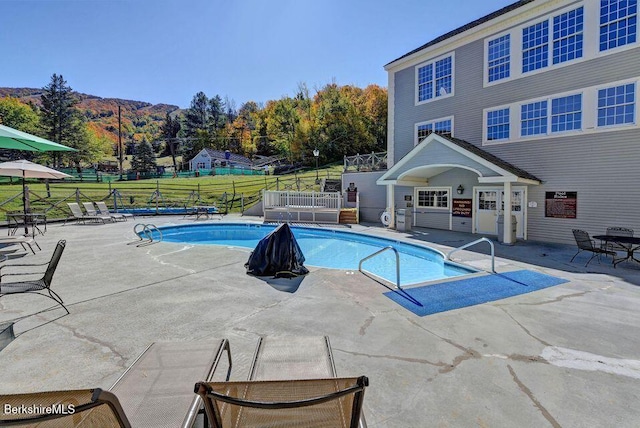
(25, 203)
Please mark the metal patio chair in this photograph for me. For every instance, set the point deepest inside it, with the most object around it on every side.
(103, 210)
(76, 408)
(292, 382)
(585, 243)
(37, 286)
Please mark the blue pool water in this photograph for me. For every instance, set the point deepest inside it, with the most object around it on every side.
(330, 249)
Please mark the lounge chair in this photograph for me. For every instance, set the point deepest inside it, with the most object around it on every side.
(81, 217)
(103, 210)
(292, 383)
(77, 408)
(585, 243)
(24, 241)
(92, 212)
(37, 286)
(157, 389)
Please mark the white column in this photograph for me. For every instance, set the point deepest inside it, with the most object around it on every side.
(391, 202)
(506, 200)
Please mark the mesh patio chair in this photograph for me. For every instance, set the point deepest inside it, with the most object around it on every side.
(92, 212)
(333, 402)
(615, 246)
(292, 382)
(585, 243)
(63, 409)
(37, 286)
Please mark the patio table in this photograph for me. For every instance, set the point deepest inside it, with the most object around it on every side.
(17, 220)
(630, 243)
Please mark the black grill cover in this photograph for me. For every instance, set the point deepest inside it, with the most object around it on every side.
(277, 254)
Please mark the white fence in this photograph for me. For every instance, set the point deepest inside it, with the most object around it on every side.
(305, 206)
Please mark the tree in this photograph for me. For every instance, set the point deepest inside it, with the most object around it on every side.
(18, 115)
(57, 114)
(169, 133)
(144, 159)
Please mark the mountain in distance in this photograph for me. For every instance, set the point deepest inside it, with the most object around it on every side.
(139, 119)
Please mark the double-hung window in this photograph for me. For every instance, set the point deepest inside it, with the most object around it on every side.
(435, 79)
(566, 113)
(616, 105)
(618, 23)
(567, 35)
(535, 46)
(433, 198)
(439, 126)
(498, 124)
(533, 118)
(499, 58)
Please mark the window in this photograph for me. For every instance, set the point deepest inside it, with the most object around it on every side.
(439, 126)
(533, 118)
(433, 198)
(566, 113)
(498, 124)
(435, 79)
(618, 23)
(616, 105)
(201, 165)
(567, 36)
(499, 59)
(535, 46)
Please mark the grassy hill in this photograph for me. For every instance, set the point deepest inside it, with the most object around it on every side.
(138, 118)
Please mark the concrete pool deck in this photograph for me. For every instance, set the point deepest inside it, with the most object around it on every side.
(565, 356)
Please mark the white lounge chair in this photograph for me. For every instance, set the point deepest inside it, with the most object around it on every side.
(103, 210)
(81, 217)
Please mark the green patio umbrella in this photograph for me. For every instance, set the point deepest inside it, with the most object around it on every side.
(17, 140)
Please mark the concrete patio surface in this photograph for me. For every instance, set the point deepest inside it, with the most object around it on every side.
(565, 356)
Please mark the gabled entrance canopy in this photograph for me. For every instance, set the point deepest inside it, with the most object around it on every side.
(438, 153)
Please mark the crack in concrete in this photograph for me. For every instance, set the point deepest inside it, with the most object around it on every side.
(533, 399)
(392, 357)
(557, 299)
(91, 339)
(523, 327)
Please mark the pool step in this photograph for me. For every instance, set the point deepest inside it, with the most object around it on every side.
(349, 216)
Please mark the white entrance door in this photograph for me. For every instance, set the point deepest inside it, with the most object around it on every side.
(489, 205)
(486, 212)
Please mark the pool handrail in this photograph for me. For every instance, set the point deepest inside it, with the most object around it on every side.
(390, 247)
(493, 253)
(147, 231)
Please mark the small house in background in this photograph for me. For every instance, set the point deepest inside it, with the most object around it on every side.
(209, 159)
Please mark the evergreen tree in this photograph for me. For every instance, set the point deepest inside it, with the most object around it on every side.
(57, 112)
(144, 159)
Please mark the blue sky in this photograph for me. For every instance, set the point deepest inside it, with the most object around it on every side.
(165, 51)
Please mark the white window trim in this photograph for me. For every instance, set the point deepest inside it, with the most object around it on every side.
(433, 61)
(589, 115)
(486, 57)
(433, 189)
(427, 122)
(590, 40)
(485, 124)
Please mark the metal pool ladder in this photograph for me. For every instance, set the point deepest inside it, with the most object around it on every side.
(381, 251)
(146, 231)
(493, 253)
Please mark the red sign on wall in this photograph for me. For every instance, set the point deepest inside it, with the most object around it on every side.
(561, 204)
(461, 207)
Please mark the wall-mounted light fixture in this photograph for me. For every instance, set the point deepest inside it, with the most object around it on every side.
(460, 189)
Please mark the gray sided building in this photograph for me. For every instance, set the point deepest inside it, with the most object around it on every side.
(534, 106)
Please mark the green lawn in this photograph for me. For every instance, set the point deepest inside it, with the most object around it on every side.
(229, 190)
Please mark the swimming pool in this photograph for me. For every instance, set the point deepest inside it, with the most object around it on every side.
(328, 248)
